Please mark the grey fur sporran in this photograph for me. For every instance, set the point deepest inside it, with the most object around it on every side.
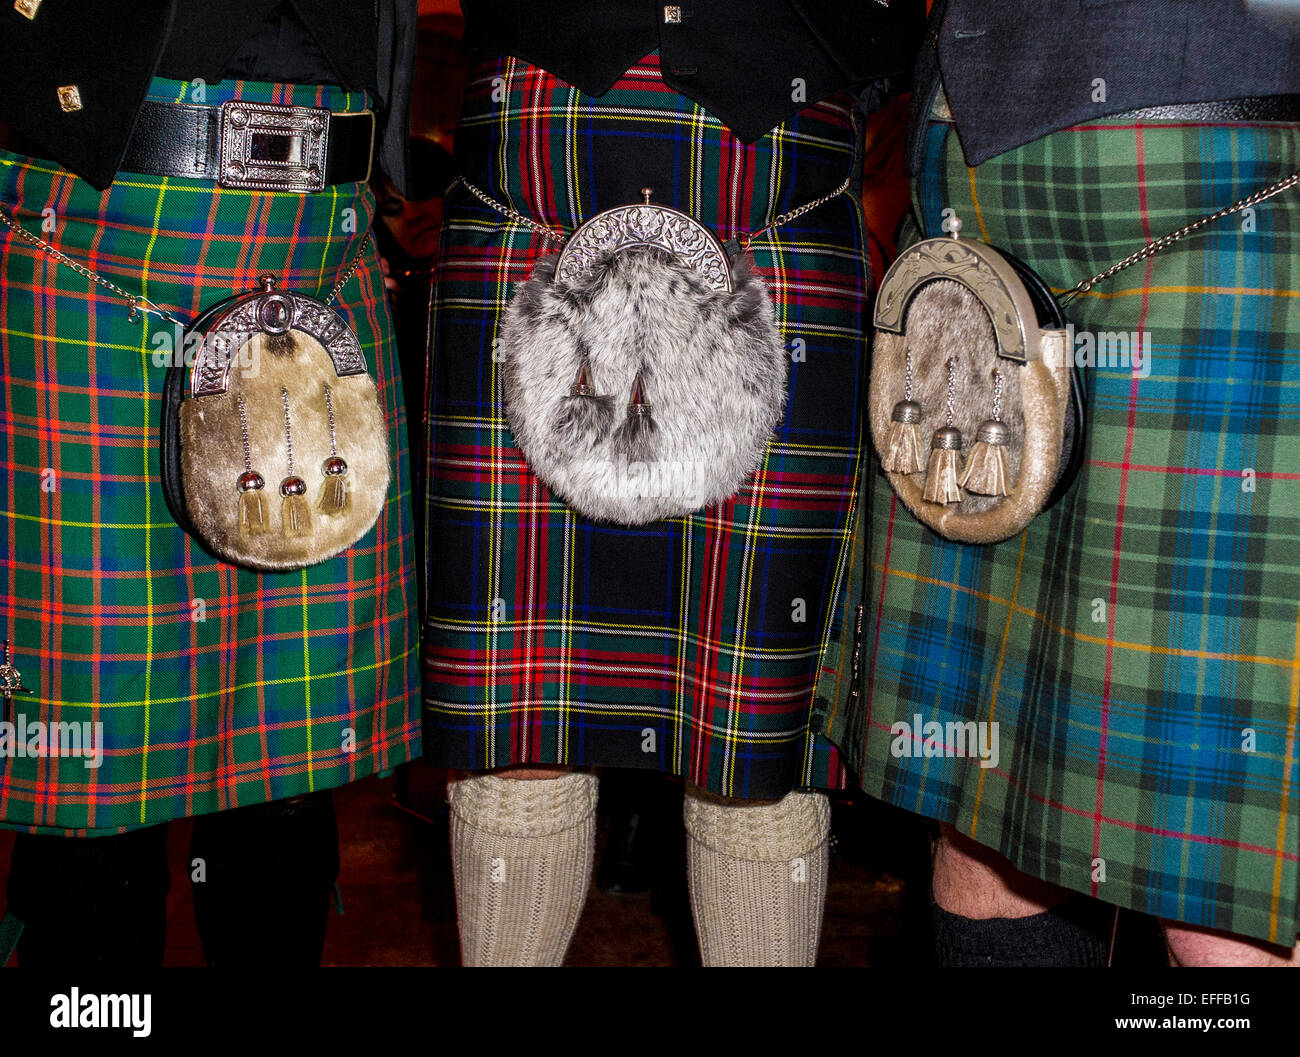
(643, 370)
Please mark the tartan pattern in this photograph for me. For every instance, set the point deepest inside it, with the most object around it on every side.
(676, 645)
(251, 703)
(1129, 641)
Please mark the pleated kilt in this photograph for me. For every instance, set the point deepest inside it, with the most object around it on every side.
(690, 645)
(216, 686)
(1136, 646)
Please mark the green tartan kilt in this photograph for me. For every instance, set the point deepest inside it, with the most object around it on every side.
(216, 686)
(1136, 646)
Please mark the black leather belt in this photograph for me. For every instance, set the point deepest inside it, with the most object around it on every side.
(242, 144)
(1253, 108)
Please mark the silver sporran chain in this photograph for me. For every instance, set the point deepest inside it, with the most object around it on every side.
(1165, 241)
(541, 229)
(138, 303)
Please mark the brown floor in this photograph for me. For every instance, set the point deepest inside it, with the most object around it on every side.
(399, 908)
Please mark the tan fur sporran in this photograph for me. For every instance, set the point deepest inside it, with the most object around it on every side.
(280, 393)
(967, 321)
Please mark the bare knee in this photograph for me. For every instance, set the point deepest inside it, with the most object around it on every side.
(974, 881)
(1190, 945)
(519, 772)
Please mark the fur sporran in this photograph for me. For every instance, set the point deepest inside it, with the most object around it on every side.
(640, 387)
(975, 402)
(274, 444)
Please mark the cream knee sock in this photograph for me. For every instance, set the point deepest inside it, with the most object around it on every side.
(521, 855)
(758, 877)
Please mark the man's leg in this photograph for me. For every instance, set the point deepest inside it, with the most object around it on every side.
(91, 901)
(757, 872)
(1192, 946)
(262, 877)
(522, 843)
(988, 913)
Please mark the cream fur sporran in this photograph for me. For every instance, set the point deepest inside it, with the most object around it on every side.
(643, 370)
(975, 402)
(274, 444)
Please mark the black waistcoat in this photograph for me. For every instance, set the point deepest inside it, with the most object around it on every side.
(1016, 70)
(110, 50)
(751, 63)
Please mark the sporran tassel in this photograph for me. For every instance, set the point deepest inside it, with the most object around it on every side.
(335, 496)
(295, 511)
(986, 469)
(903, 446)
(584, 416)
(945, 456)
(252, 505)
(941, 474)
(634, 438)
(252, 502)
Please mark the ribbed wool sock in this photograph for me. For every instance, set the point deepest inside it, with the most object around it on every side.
(757, 877)
(1074, 934)
(521, 854)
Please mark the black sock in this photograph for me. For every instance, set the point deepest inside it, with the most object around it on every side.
(91, 901)
(268, 875)
(1074, 934)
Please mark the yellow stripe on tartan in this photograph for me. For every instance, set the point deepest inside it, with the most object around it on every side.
(79, 342)
(1293, 714)
(975, 203)
(290, 680)
(147, 450)
(997, 677)
(681, 707)
(62, 523)
(1100, 640)
(1226, 291)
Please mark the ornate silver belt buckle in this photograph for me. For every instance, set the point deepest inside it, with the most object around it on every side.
(273, 148)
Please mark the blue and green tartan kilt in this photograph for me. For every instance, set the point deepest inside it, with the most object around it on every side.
(1138, 647)
(216, 686)
(691, 645)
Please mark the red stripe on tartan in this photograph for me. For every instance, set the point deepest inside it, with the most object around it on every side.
(1120, 503)
(537, 541)
(226, 775)
(465, 667)
(783, 490)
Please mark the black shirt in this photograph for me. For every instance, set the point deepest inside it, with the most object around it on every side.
(283, 41)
